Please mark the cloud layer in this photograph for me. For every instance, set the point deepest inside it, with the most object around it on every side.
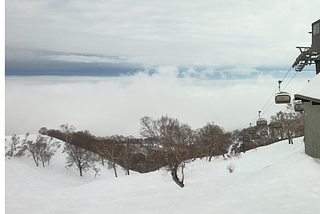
(114, 105)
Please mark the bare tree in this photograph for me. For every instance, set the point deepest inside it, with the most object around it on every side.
(17, 148)
(276, 133)
(291, 124)
(80, 157)
(213, 140)
(68, 131)
(107, 148)
(22, 147)
(41, 149)
(43, 131)
(173, 139)
(13, 145)
(127, 152)
(46, 148)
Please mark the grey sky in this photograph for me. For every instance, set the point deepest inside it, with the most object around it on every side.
(241, 34)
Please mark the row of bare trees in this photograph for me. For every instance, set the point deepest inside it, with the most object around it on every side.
(178, 143)
(292, 126)
(41, 150)
(164, 142)
(84, 150)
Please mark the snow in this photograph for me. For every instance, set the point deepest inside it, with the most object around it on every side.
(279, 178)
(312, 89)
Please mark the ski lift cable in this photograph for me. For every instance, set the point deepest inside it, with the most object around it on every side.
(283, 89)
(286, 74)
(277, 89)
(290, 80)
(268, 107)
(273, 94)
(266, 104)
(284, 108)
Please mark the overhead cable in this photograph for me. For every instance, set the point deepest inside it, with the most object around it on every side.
(272, 95)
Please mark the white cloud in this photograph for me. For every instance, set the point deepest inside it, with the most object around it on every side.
(114, 105)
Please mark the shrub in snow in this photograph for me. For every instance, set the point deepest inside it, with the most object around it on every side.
(230, 168)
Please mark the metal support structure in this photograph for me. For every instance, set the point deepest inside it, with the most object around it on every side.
(306, 57)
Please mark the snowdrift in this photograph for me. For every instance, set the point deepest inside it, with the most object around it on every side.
(279, 178)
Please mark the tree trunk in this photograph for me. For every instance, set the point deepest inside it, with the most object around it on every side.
(80, 170)
(102, 162)
(290, 140)
(115, 169)
(35, 159)
(175, 177)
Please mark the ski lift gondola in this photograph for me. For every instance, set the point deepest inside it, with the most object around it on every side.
(276, 125)
(264, 133)
(298, 106)
(261, 121)
(252, 131)
(255, 136)
(246, 137)
(282, 97)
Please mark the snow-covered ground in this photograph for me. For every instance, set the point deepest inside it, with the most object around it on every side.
(279, 178)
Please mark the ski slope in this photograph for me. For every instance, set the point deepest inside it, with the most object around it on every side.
(279, 178)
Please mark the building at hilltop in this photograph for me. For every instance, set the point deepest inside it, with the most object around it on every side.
(310, 55)
(310, 95)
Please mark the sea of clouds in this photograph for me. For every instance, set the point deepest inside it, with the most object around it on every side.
(114, 105)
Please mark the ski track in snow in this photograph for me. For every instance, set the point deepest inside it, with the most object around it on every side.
(279, 178)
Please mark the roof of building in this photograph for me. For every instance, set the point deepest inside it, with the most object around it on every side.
(311, 92)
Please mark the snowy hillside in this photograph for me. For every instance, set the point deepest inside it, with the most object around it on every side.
(278, 178)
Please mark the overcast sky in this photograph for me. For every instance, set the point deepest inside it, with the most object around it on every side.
(99, 37)
(197, 61)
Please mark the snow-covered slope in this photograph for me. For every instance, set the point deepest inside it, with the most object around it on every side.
(278, 178)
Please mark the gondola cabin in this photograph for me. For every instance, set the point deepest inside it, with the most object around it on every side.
(298, 106)
(246, 137)
(277, 125)
(240, 137)
(264, 133)
(261, 122)
(255, 136)
(282, 98)
(252, 131)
